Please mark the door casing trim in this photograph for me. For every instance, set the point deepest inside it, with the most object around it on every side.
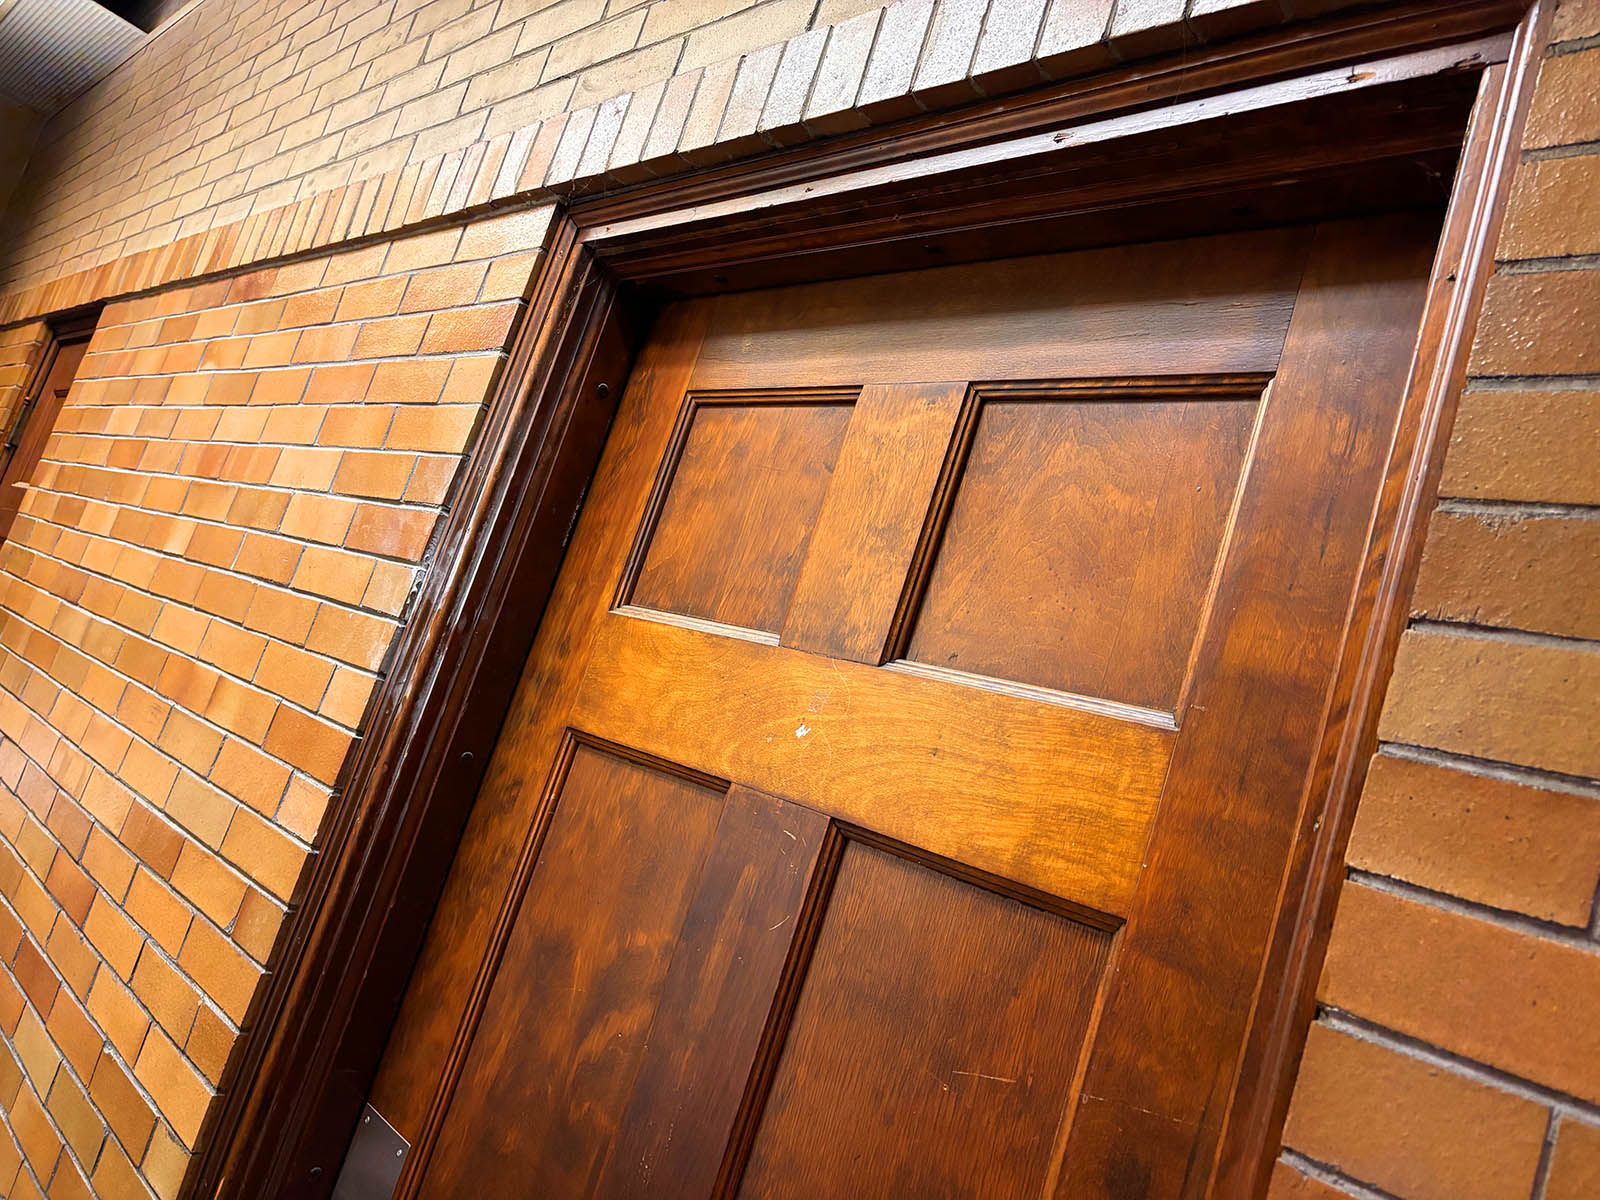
(301, 1080)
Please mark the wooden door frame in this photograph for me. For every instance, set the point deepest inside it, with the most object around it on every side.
(59, 330)
(298, 1084)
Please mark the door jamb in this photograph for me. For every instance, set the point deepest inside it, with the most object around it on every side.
(346, 953)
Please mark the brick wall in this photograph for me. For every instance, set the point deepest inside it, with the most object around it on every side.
(200, 592)
(194, 606)
(1457, 1052)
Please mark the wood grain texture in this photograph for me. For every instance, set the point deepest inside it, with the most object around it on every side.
(870, 524)
(739, 509)
(1170, 1035)
(933, 1047)
(1214, 304)
(1082, 542)
(549, 1074)
(709, 1025)
(1053, 797)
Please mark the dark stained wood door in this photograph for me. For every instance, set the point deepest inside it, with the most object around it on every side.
(899, 791)
(32, 426)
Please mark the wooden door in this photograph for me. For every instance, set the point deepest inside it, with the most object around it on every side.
(898, 793)
(32, 426)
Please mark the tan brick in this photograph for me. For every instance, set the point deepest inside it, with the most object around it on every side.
(1409, 1127)
(1525, 1004)
(1514, 846)
(1539, 323)
(121, 1104)
(178, 1090)
(1526, 703)
(1566, 104)
(217, 965)
(1525, 445)
(1554, 209)
(1516, 571)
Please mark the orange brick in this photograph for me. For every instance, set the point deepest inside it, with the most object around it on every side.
(72, 954)
(374, 474)
(1575, 1167)
(202, 879)
(1528, 1005)
(118, 1014)
(111, 933)
(343, 383)
(121, 1103)
(1411, 1128)
(422, 250)
(293, 674)
(209, 1044)
(390, 531)
(336, 574)
(76, 1117)
(438, 428)
(1554, 209)
(359, 639)
(1530, 704)
(357, 426)
(1528, 572)
(1539, 323)
(265, 855)
(375, 298)
(178, 1090)
(390, 336)
(248, 775)
(152, 839)
(158, 912)
(311, 745)
(419, 381)
(256, 927)
(164, 1164)
(201, 809)
(115, 1177)
(1566, 104)
(444, 287)
(485, 327)
(216, 964)
(170, 998)
(35, 1133)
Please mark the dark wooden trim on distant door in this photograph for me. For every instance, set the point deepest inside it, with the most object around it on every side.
(316, 1037)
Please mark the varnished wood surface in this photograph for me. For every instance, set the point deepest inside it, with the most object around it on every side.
(1167, 1048)
(1028, 820)
(714, 1013)
(565, 1025)
(1050, 796)
(901, 439)
(933, 1047)
(1082, 541)
(739, 507)
(1221, 305)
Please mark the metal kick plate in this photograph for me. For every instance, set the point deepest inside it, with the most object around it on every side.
(372, 1164)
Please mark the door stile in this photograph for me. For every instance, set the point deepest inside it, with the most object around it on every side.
(1284, 1001)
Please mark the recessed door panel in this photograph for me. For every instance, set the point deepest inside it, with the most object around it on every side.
(933, 1045)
